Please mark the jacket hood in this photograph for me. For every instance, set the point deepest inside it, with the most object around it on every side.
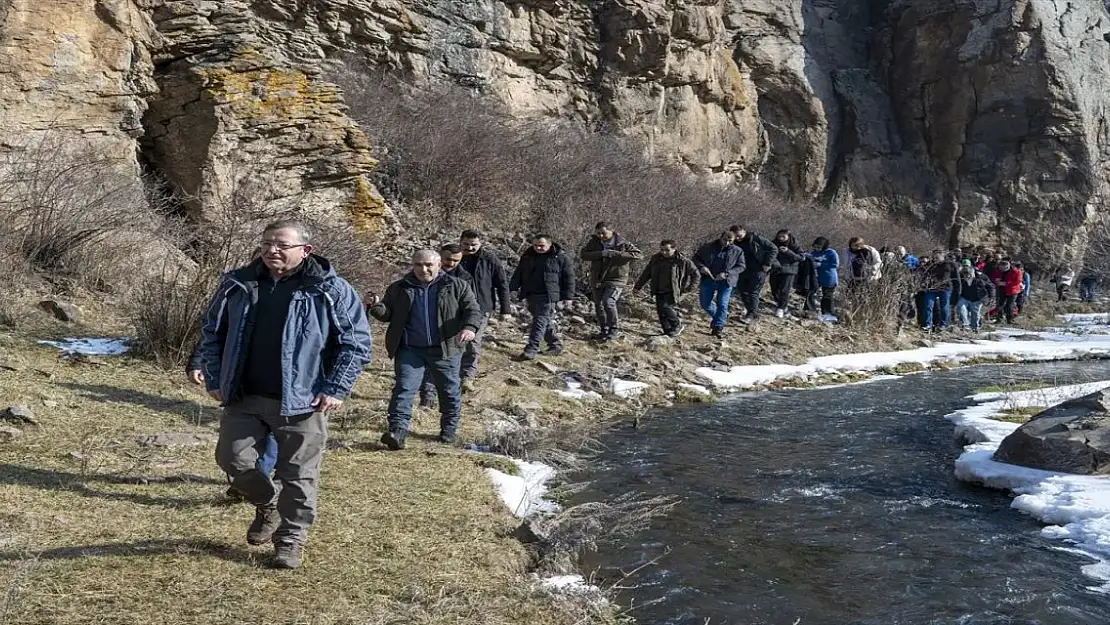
(317, 269)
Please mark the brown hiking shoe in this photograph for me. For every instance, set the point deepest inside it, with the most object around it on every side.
(288, 555)
(266, 522)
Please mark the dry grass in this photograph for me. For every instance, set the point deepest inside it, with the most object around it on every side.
(402, 538)
(1014, 386)
(1019, 414)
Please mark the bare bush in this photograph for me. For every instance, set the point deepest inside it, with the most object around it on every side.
(457, 159)
(880, 307)
(71, 211)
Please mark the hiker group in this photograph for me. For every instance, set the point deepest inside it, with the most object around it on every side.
(285, 337)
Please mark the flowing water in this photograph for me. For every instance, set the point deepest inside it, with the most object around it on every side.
(836, 507)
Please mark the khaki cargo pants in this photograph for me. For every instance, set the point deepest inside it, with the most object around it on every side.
(301, 441)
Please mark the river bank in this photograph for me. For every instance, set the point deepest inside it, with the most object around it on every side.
(95, 500)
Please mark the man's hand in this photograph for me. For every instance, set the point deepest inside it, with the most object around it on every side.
(195, 376)
(326, 403)
(217, 395)
(568, 304)
(373, 300)
(706, 272)
(721, 276)
(466, 336)
(506, 317)
(766, 268)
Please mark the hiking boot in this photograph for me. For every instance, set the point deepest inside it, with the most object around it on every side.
(614, 334)
(528, 354)
(394, 440)
(447, 437)
(553, 350)
(288, 554)
(717, 332)
(266, 522)
(780, 313)
(678, 331)
(468, 386)
(255, 486)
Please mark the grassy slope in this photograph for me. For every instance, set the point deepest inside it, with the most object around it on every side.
(411, 537)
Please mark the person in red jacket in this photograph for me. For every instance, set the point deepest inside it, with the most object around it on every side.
(1009, 284)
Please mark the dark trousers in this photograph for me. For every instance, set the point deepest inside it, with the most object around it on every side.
(543, 326)
(1007, 305)
(301, 440)
(751, 287)
(782, 285)
(1087, 290)
(828, 295)
(605, 298)
(409, 367)
(1062, 292)
(667, 307)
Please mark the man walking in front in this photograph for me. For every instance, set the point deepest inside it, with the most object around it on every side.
(283, 342)
(491, 287)
(670, 274)
(759, 256)
(610, 257)
(431, 317)
(450, 260)
(720, 264)
(545, 278)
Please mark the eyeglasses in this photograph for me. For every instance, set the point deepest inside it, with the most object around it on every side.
(277, 245)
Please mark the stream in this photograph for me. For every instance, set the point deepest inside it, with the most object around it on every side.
(835, 506)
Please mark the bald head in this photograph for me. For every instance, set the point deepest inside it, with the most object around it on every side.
(425, 265)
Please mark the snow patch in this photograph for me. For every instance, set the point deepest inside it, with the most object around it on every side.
(574, 391)
(695, 388)
(1020, 346)
(627, 389)
(524, 493)
(91, 346)
(1075, 507)
(568, 584)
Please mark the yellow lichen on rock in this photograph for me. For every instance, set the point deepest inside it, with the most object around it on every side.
(367, 211)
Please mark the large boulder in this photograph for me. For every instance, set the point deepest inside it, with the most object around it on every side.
(1073, 437)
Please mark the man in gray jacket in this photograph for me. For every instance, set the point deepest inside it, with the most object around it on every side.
(283, 341)
(431, 317)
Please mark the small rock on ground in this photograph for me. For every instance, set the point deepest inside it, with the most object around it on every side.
(8, 433)
(62, 311)
(19, 414)
(176, 439)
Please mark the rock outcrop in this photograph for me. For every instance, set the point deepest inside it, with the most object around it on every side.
(1073, 437)
(986, 121)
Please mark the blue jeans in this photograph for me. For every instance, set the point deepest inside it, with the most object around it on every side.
(409, 365)
(715, 295)
(971, 313)
(267, 454)
(937, 298)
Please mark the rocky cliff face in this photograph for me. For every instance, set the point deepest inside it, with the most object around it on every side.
(984, 119)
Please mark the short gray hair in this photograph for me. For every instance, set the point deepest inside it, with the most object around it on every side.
(429, 254)
(300, 227)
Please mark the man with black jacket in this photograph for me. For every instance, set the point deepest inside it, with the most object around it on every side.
(545, 279)
(670, 274)
(785, 269)
(938, 278)
(720, 264)
(450, 258)
(759, 257)
(491, 287)
(610, 257)
(431, 316)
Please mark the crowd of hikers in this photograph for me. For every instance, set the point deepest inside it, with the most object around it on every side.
(285, 337)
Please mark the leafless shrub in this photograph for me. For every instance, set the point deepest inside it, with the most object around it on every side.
(69, 210)
(457, 159)
(565, 536)
(880, 307)
(563, 445)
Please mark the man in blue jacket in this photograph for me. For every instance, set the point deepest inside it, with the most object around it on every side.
(283, 342)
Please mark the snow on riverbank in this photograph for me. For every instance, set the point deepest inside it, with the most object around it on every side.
(524, 493)
(90, 346)
(1021, 346)
(1076, 507)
